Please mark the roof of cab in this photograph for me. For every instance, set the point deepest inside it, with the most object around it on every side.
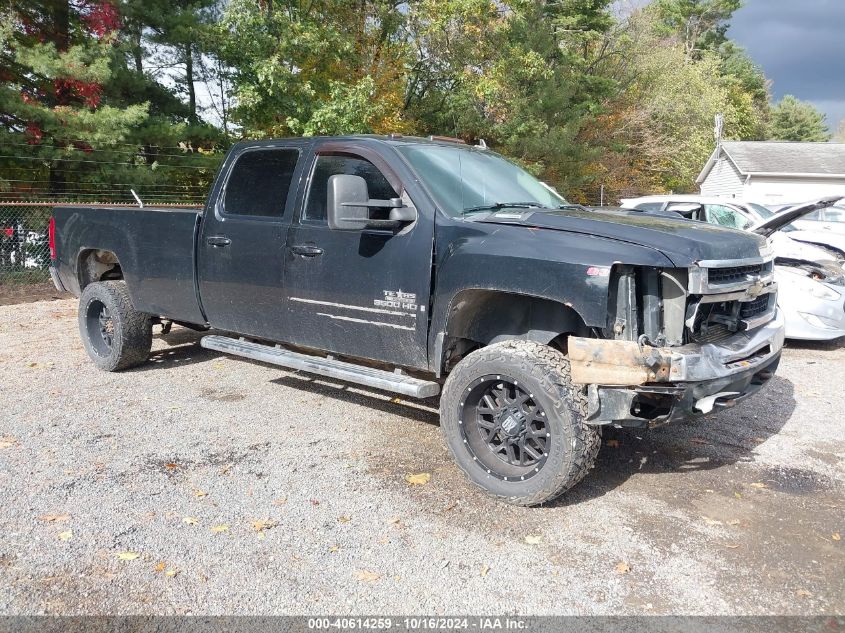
(393, 139)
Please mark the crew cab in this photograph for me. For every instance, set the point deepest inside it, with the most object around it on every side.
(427, 268)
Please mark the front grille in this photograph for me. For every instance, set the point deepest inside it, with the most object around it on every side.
(751, 309)
(732, 274)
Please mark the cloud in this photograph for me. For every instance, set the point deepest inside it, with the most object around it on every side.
(799, 44)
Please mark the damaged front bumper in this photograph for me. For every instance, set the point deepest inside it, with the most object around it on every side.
(633, 385)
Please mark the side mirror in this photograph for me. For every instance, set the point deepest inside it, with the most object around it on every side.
(348, 206)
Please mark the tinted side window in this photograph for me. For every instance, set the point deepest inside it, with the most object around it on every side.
(329, 165)
(259, 183)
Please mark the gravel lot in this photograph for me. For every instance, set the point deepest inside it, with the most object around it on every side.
(204, 484)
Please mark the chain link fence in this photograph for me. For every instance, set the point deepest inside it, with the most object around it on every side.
(24, 243)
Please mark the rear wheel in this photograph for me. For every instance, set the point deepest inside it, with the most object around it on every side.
(115, 335)
(515, 422)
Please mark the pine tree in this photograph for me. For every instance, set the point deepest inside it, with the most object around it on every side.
(56, 56)
(796, 120)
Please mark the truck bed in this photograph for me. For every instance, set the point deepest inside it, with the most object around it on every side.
(155, 247)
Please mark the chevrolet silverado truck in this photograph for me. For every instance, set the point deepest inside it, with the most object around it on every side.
(427, 267)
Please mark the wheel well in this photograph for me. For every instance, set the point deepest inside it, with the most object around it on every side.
(477, 318)
(97, 265)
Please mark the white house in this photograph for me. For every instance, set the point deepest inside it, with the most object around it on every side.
(772, 172)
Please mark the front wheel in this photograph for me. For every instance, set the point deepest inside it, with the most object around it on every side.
(515, 422)
(115, 335)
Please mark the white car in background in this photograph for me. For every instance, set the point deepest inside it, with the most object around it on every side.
(830, 219)
(823, 227)
(810, 277)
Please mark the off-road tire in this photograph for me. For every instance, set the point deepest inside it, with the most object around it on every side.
(132, 331)
(545, 371)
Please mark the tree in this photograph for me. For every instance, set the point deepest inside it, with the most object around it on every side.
(523, 77)
(56, 58)
(317, 67)
(796, 120)
(701, 25)
(657, 129)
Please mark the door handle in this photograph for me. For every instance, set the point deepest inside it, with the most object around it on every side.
(218, 240)
(306, 250)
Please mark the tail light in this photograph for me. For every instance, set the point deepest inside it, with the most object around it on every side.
(51, 233)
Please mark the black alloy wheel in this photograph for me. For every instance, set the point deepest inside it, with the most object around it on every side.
(504, 428)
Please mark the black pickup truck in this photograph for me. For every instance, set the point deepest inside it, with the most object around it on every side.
(426, 267)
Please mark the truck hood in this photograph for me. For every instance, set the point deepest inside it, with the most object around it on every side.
(682, 241)
(790, 214)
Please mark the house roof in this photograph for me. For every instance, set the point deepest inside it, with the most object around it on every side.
(781, 158)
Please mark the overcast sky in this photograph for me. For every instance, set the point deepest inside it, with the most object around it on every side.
(800, 45)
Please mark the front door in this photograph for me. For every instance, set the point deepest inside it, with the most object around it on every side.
(241, 248)
(358, 293)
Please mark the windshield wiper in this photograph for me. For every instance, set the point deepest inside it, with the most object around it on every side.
(503, 205)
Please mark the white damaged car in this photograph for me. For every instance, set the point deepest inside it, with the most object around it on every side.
(810, 276)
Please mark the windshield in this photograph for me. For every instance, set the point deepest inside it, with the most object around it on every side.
(465, 180)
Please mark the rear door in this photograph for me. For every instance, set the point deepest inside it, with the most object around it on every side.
(359, 293)
(242, 247)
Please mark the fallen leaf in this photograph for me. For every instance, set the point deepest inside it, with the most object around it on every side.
(263, 524)
(367, 576)
(334, 548)
(54, 518)
(280, 502)
(612, 443)
(190, 520)
(803, 593)
(733, 522)
(758, 484)
(622, 567)
(737, 495)
(171, 572)
(127, 555)
(533, 540)
(200, 493)
(731, 545)
(485, 570)
(835, 536)
(218, 365)
(171, 466)
(7, 442)
(217, 529)
(33, 365)
(315, 502)
(420, 479)
(344, 519)
(394, 520)
(66, 536)
(396, 400)
(160, 567)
